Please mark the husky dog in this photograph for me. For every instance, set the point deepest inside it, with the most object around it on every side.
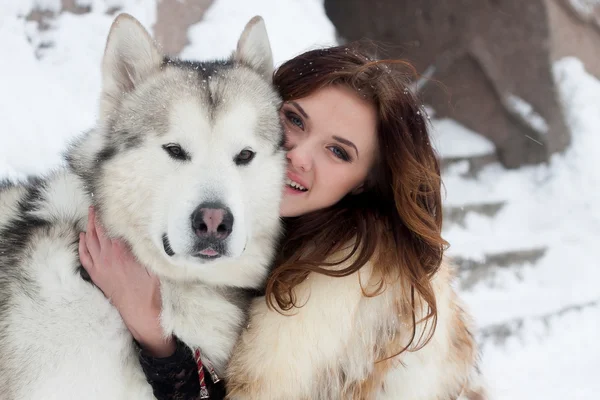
(186, 165)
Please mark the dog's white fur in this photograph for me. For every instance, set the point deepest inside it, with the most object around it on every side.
(329, 348)
(60, 338)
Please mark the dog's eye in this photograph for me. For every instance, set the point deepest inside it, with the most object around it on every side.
(244, 157)
(176, 152)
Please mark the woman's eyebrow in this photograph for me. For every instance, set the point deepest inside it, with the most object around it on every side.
(346, 142)
(300, 109)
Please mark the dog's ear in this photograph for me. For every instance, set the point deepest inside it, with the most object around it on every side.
(129, 58)
(254, 49)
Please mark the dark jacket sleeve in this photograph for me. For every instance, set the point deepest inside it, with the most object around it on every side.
(176, 377)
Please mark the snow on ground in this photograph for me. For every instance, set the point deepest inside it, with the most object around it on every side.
(51, 79)
(555, 303)
(47, 100)
(452, 139)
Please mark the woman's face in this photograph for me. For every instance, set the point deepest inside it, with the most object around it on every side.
(331, 138)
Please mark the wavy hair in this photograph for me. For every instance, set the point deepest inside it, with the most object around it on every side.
(395, 222)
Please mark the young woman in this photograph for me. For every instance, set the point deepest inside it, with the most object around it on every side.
(359, 304)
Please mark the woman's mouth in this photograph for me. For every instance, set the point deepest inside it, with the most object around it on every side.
(295, 186)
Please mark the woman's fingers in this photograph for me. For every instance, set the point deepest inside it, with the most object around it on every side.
(91, 237)
(103, 240)
(84, 254)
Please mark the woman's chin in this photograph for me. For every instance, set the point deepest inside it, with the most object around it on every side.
(290, 208)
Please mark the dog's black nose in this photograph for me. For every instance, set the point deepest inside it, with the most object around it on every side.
(212, 221)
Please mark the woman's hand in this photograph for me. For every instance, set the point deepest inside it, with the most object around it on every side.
(133, 290)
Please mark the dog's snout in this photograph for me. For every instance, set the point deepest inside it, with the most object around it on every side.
(212, 220)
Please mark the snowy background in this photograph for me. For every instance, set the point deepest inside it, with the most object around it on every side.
(526, 239)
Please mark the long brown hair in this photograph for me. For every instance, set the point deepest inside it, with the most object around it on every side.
(395, 222)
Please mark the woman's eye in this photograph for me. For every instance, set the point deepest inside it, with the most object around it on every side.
(340, 153)
(295, 120)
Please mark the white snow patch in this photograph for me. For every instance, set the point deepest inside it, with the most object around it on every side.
(453, 140)
(51, 82)
(585, 8)
(293, 26)
(555, 206)
(526, 113)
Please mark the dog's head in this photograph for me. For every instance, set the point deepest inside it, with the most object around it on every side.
(186, 163)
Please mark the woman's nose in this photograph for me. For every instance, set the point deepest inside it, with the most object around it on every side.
(300, 157)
